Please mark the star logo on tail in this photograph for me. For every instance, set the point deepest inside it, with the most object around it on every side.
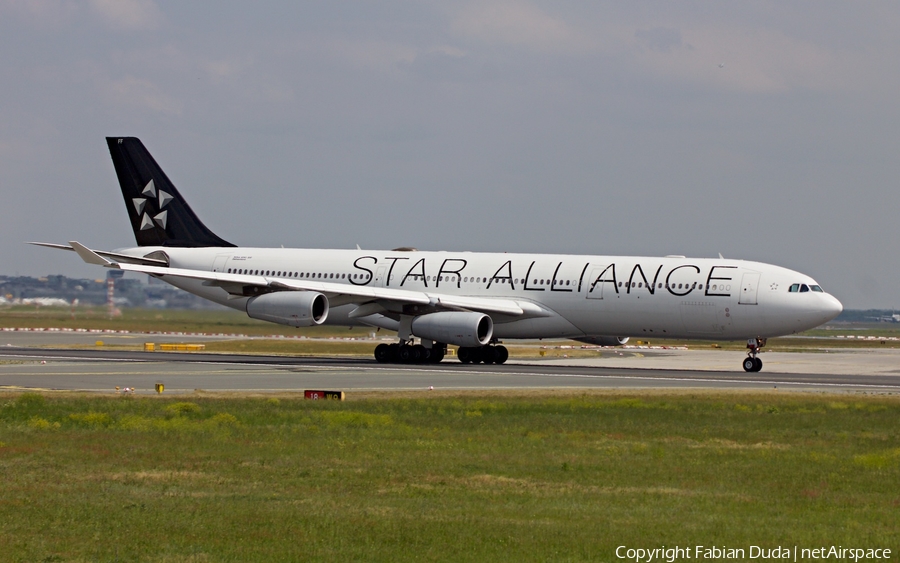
(140, 206)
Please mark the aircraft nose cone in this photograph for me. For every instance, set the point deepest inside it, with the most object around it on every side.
(830, 308)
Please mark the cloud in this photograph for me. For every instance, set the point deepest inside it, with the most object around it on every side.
(449, 64)
(142, 93)
(124, 15)
(659, 39)
(378, 55)
(518, 24)
(224, 69)
(756, 60)
(42, 13)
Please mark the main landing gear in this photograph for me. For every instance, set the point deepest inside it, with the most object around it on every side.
(486, 354)
(404, 353)
(752, 363)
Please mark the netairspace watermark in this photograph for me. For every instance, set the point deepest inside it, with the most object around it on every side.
(754, 552)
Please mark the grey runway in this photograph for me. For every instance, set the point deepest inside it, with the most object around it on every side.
(103, 370)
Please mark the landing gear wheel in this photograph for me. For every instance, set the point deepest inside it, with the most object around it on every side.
(752, 364)
(464, 354)
(501, 355)
(383, 353)
(405, 354)
(422, 353)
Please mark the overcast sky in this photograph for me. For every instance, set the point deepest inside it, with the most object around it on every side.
(766, 131)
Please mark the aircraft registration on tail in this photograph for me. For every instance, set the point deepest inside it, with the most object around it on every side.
(473, 300)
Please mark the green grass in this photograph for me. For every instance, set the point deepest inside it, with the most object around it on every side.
(161, 320)
(468, 477)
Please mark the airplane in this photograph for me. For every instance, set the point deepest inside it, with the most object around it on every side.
(472, 300)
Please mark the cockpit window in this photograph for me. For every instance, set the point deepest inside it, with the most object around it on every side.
(803, 288)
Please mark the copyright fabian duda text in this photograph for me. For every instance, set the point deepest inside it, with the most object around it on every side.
(793, 553)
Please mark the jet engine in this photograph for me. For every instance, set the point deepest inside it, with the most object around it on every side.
(459, 328)
(604, 340)
(292, 308)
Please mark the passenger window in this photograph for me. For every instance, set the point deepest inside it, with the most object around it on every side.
(803, 288)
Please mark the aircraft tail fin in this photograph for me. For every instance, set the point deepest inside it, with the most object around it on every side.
(159, 215)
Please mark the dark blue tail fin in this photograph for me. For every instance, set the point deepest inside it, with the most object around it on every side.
(158, 213)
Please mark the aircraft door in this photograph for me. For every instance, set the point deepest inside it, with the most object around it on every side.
(749, 287)
(219, 262)
(379, 276)
(594, 284)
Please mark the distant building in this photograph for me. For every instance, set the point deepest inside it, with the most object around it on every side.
(57, 290)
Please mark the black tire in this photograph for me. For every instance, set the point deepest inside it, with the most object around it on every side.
(424, 353)
(502, 355)
(477, 355)
(405, 354)
(749, 364)
(437, 354)
(489, 354)
(464, 354)
(758, 365)
(383, 353)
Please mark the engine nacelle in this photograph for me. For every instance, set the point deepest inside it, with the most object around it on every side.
(604, 340)
(459, 328)
(292, 308)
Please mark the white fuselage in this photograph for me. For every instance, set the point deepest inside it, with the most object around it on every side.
(672, 297)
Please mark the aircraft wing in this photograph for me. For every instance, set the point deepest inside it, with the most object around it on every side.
(343, 293)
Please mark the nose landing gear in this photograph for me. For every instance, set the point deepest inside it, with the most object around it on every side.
(752, 363)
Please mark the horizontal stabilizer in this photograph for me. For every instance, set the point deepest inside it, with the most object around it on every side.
(89, 255)
(114, 256)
